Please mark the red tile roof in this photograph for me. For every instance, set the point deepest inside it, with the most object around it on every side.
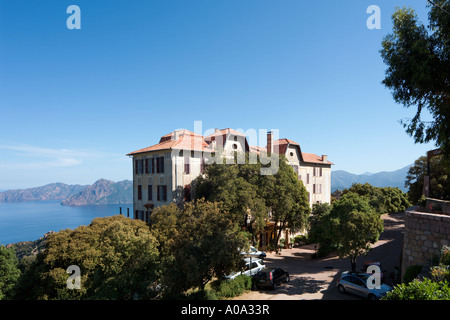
(187, 140)
(314, 158)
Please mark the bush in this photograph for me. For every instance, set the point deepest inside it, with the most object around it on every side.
(234, 287)
(205, 294)
(445, 255)
(411, 273)
(420, 290)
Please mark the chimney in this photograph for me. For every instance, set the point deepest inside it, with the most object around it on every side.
(269, 143)
(324, 158)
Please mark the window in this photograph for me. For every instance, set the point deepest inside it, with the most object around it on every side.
(160, 165)
(139, 166)
(147, 166)
(162, 193)
(317, 188)
(139, 192)
(187, 165)
(150, 192)
(235, 146)
(320, 171)
(307, 178)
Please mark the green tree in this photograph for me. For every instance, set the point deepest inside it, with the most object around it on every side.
(418, 61)
(9, 272)
(439, 179)
(353, 226)
(383, 200)
(287, 199)
(319, 228)
(197, 243)
(118, 258)
(235, 186)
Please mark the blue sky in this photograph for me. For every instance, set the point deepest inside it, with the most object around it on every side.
(74, 102)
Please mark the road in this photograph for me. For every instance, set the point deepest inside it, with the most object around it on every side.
(315, 279)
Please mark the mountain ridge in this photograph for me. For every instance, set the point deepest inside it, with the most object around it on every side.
(102, 191)
(57, 191)
(341, 179)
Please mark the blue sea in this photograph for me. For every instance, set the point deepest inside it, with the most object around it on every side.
(29, 221)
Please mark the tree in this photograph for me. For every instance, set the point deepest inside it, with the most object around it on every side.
(235, 186)
(439, 179)
(287, 199)
(251, 198)
(9, 272)
(418, 61)
(353, 226)
(117, 257)
(383, 200)
(319, 228)
(197, 243)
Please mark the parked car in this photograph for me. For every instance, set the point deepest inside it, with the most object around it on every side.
(252, 267)
(271, 278)
(255, 253)
(356, 283)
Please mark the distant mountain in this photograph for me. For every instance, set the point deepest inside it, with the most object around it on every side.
(341, 179)
(50, 192)
(102, 192)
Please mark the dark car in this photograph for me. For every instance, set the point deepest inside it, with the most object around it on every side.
(271, 278)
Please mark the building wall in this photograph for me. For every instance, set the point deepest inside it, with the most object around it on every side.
(322, 191)
(425, 234)
(154, 179)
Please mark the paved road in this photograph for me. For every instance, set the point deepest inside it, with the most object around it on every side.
(315, 279)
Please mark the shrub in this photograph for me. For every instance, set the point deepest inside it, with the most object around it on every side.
(205, 294)
(411, 273)
(234, 287)
(422, 202)
(420, 290)
(445, 255)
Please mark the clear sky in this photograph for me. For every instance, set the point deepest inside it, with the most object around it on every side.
(74, 102)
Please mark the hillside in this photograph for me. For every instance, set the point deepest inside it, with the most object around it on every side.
(341, 179)
(50, 192)
(102, 192)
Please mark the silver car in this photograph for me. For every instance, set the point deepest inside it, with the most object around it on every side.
(356, 283)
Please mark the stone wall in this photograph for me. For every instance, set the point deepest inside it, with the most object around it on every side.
(425, 234)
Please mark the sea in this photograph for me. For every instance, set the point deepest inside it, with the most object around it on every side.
(29, 221)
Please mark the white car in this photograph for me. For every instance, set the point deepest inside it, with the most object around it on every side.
(255, 253)
(252, 267)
